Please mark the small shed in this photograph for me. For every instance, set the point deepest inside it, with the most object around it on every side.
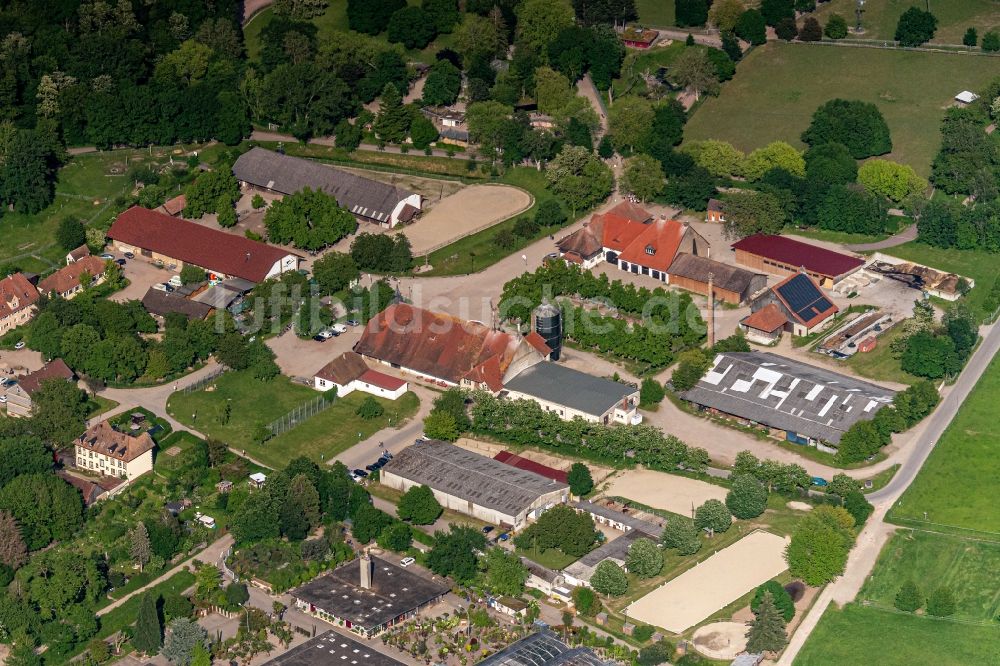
(257, 479)
(966, 97)
(509, 606)
(867, 344)
(224, 486)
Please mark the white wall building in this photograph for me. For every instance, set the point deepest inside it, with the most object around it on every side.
(109, 452)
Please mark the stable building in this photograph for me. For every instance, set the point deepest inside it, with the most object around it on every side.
(260, 170)
(110, 452)
(475, 485)
(174, 243)
(779, 255)
(160, 304)
(730, 284)
(795, 401)
(572, 394)
(445, 350)
(349, 372)
(18, 299)
(798, 301)
(369, 595)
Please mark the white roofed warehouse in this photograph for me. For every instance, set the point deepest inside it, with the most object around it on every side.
(475, 485)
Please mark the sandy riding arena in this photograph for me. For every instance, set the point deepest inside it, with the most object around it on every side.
(664, 491)
(713, 584)
(469, 210)
(721, 640)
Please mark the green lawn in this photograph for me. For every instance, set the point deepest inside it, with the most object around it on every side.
(476, 252)
(881, 16)
(321, 437)
(879, 364)
(552, 558)
(956, 486)
(779, 86)
(968, 567)
(334, 20)
(865, 635)
(659, 13)
(980, 266)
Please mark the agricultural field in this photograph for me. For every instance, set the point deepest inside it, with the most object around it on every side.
(320, 437)
(955, 489)
(954, 17)
(858, 635)
(966, 566)
(331, 22)
(657, 13)
(778, 87)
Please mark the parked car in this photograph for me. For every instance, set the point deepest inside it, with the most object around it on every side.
(3, 399)
(503, 537)
(353, 322)
(163, 286)
(337, 329)
(320, 338)
(19, 345)
(819, 481)
(120, 262)
(359, 472)
(107, 256)
(129, 255)
(487, 529)
(374, 467)
(406, 561)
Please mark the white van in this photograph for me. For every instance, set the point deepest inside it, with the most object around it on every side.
(175, 280)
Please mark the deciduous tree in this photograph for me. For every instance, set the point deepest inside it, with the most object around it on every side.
(609, 579)
(643, 177)
(858, 125)
(579, 479)
(915, 27)
(941, 602)
(909, 597)
(747, 498)
(505, 574)
(836, 27)
(579, 177)
(681, 534)
(890, 179)
(713, 516)
(753, 213)
(644, 558)
(694, 70)
(820, 543)
(751, 27)
(419, 506)
(690, 13)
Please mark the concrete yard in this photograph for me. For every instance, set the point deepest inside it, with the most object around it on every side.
(713, 584)
(469, 210)
(677, 494)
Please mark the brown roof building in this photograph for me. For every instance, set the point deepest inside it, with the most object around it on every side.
(162, 303)
(799, 301)
(445, 349)
(19, 395)
(17, 301)
(77, 254)
(344, 369)
(174, 207)
(111, 452)
(730, 283)
(177, 242)
(65, 282)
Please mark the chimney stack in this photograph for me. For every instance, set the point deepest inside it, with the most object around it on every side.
(366, 571)
(711, 310)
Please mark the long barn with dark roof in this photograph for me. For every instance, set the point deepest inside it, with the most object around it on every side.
(369, 200)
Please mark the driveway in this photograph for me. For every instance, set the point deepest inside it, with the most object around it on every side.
(141, 275)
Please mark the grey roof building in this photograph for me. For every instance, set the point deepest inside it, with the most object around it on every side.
(618, 519)
(333, 648)
(810, 404)
(571, 393)
(543, 648)
(368, 199)
(473, 484)
(368, 603)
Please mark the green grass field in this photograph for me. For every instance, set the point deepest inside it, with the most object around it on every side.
(779, 86)
(332, 21)
(879, 363)
(956, 486)
(865, 635)
(881, 16)
(320, 437)
(659, 13)
(966, 566)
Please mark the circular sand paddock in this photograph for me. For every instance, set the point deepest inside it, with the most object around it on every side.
(721, 640)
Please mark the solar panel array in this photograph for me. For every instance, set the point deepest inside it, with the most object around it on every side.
(802, 296)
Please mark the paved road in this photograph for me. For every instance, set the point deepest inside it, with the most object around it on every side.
(153, 398)
(905, 236)
(876, 532)
(212, 553)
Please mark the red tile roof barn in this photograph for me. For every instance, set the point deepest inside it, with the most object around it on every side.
(438, 345)
(196, 244)
(56, 369)
(798, 254)
(68, 277)
(344, 369)
(381, 380)
(656, 246)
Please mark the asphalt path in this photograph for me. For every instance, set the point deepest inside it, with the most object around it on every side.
(877, 532)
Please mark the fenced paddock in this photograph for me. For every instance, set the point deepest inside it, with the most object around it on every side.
(659, 490)
(713, 584)
(303, 412)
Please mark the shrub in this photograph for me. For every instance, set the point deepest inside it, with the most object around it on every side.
(525, 227)
(369, 409)
(836, 27)
(258, 202)
(651, 392)
(909, 598)
(585, 601)
(782, 600)
(941, 603)
(643, 633)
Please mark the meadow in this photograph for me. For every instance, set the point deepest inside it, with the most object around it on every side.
(658, 13)
(778, 87)
(881, 16)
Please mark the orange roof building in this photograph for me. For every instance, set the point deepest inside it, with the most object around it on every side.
(66, 282)
(444, 349)
(17, 301)
(629, 237)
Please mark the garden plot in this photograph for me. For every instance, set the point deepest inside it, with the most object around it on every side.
(677, 494)
(713, 584)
